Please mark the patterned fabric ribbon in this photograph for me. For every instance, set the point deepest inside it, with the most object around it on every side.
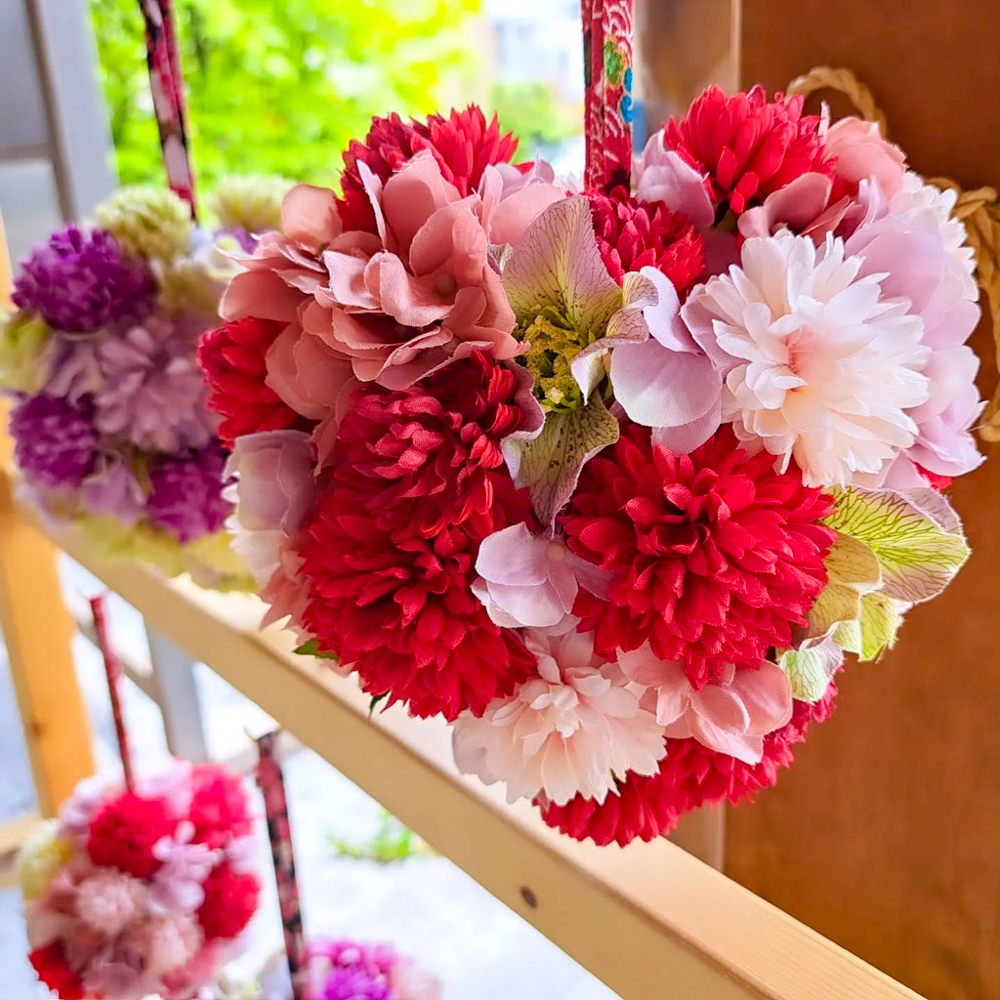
(167, 85)
(607, 55)
(112, 671)
(271, 783)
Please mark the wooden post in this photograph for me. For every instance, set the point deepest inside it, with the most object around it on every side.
(38, 631)
(883, 836)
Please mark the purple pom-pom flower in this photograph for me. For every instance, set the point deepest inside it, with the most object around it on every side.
(186, 498)
(79, 282)
(55, 440)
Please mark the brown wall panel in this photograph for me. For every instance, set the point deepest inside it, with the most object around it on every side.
(885, 836)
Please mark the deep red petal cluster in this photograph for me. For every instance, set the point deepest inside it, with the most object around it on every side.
(232, 358)
(632, 235)
(398, 606)
(746, 145)
(713, 556)
(53, 969)
(220, 808)
(690, 776)
(464, 144)
(124, 831)
(429, 456)
(230, 902)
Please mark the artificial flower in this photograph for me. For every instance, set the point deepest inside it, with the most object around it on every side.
(55, 442)
(746, 145)
(272, 492)
(79, 281)
(26, 349)
(859, 153)
(528, 580)
(250, 205)
(149, 223)
(632, 235)
(186, 494)
(569, 731)
(108, 901)
(232, 360)
(464, 144)
(230, 901)
(819, 365)
(398, 607)
(41, 856)
(731, 715)
(690, 775)
(123, 834)
(713, 555)
(429, 455)
(112, 488)
(153, 393)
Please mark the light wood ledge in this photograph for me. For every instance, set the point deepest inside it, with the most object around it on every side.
(651, 921)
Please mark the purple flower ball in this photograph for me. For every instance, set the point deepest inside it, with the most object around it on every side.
(187, 494)
(79, 282)
(354, 983)
(55, 440)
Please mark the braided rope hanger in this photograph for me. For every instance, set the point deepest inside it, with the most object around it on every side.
(977, 209)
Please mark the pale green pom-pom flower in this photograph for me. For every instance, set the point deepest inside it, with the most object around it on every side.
(41, 857)
(250, 203)
(147, 222)
(25, 342)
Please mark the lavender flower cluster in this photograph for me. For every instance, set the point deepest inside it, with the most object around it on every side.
(110, 417)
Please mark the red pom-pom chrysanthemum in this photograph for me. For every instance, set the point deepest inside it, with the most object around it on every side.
(713, 556)
(398, 607)
(230, 902)
(220, 808)
(232, 358)
(632, 235)
(429, 456)
(53, 969)
(746, 145)
(464, 145)
(123, 833)
(690, 776)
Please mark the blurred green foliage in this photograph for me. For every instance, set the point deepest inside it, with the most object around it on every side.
(535, 114)
(282, 86)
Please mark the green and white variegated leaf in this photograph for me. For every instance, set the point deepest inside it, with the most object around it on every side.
(557, 265)
(875, 629)
(811, 670)
(852, 571)
(915, 536)
(550, 464)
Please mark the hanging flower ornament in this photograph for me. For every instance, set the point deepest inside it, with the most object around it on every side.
(611, 479)
(145, 891)
(110, 423)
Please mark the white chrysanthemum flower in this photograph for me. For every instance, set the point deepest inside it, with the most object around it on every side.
(571, 730)
(818, 367)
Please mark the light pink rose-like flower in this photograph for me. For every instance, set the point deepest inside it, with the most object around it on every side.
(571, 730)
(863, 155)
(512, 199)
(530, 580)
(803, 206)
(919, 254)
(273, 494)
(165, 944)
(730, 715)
(819, 364)
(108, 901)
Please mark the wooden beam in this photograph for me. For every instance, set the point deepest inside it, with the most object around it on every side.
(649, 920)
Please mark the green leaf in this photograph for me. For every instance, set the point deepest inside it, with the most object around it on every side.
(311, 648)
(550, 464)
(880, 619)
(376, 699)
(811, 670)
(852, 570)
(915, 536)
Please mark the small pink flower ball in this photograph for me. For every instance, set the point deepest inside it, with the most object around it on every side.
(109, 901)
(166, 943)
